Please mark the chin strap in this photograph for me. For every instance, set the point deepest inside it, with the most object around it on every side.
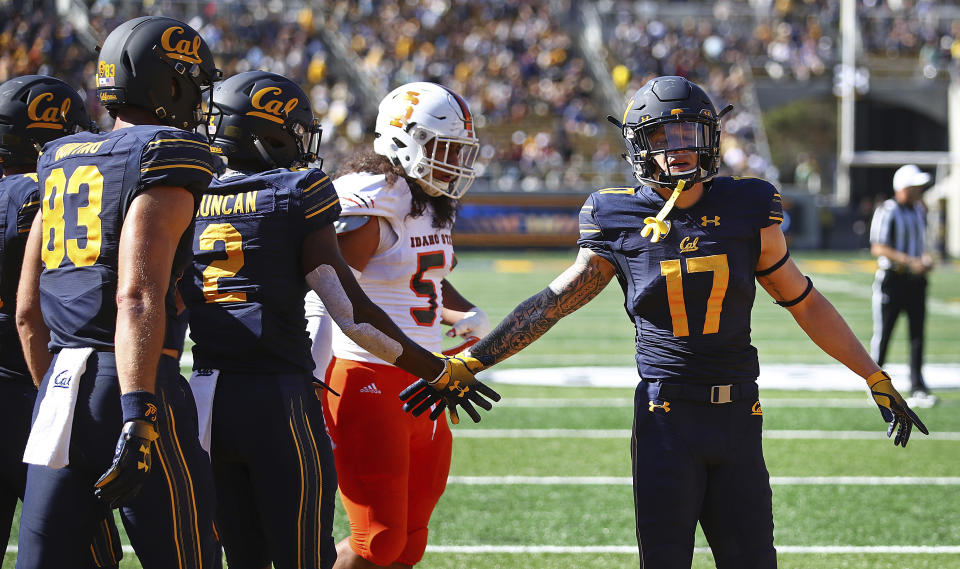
(656, 227)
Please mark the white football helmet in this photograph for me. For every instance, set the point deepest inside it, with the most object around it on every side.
(427, 130)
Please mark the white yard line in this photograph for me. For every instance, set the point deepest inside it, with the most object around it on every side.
(632, 549)
(546, 402)
(478, 433)
(774, 480)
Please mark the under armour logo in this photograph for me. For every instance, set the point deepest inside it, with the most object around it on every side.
(461, 391)
(688, 246)
(756, 410)
(665, 406)
(704, 220)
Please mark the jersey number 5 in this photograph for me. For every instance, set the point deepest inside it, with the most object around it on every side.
(425, 287)
(678, 310)
(55, 241)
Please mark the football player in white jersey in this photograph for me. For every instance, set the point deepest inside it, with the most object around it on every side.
(398, 207)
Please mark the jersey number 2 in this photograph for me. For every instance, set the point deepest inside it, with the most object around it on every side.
(233, 245)
(678, 310)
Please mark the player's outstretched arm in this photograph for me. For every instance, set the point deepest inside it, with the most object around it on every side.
(573, 288)
(823, 324)
(33, 331)
(329, 275)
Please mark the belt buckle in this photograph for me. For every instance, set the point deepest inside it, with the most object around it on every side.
(720, 394)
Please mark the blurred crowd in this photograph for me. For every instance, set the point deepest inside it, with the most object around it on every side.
(517, 62)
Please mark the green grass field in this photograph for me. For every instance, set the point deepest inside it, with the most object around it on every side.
(844, 497)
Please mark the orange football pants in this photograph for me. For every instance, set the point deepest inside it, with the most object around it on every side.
(391, 466)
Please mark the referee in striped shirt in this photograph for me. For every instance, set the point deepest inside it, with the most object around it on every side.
(897, 239)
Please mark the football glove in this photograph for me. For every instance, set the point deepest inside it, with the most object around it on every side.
(131, 464)
(132, 457)
(475, 323)
(893, 408)
(454, 387)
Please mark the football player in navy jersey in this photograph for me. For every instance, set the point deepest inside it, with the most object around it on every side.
(113, 235)
(264, 235)
(686, 248)
(34, 109)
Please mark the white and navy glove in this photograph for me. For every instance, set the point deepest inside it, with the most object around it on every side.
(474, 325)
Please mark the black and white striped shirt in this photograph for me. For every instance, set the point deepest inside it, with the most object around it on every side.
(903, 228)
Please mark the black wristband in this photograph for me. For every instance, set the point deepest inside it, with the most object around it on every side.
(139, 405)
(803, 295)
(775, 266)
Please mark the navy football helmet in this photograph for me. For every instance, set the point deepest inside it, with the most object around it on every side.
(159, 64)
(35, 109)
(666, 116)
(262, 121)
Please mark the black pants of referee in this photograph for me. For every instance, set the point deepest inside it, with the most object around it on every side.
(894, 293)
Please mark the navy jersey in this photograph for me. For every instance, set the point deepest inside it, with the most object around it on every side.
(88, 182)
(245, 288)
(19, 202)
(690, 294)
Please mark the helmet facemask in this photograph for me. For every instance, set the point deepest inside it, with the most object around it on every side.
(427, 130)
(446, 163)
(663, 149)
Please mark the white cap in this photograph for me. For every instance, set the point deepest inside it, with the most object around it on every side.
(909, 176)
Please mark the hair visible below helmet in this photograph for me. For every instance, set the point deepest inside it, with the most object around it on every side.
(35, 109)
(683, 119)
(427, 130)
(158, 64)
(262, 121)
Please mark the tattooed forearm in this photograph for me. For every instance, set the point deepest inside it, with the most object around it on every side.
(575, 287)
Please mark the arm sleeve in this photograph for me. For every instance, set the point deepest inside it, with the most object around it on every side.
(370, 195)
(592, 235)
(176, 158)
(28, 211)
(320, 205)
(775, 208)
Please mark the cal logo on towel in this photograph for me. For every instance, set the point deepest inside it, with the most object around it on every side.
(63, 379)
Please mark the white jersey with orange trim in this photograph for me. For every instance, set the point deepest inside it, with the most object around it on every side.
(403, 276)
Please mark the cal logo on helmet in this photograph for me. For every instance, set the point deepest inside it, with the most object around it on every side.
(44, 112)
(177, 46)
(270, 105)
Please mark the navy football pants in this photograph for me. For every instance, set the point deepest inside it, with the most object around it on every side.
(701, 462)
(17, 399)
(170, 522)
(274, 472)
(16, 408)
